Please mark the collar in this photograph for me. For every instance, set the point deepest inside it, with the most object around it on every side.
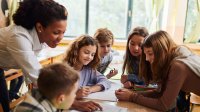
(36, 42)
(46, 104)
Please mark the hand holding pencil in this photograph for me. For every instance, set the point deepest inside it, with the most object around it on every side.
(83, 92)
(112, 73)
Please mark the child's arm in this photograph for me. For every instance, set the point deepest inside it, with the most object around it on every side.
(102, 81)
(96, 88)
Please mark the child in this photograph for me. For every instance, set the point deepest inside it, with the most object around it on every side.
(173, 67)
(57, 86)
(132, 57)
(105, 40)
(83, 56)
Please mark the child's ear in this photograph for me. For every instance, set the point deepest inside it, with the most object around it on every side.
(60, 98)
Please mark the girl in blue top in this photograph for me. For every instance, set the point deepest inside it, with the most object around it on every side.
(83, 56)
(132, 57)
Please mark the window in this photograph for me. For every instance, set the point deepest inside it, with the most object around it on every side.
(76, 16)
(86, 16)
(147, 13)
(192, 33)
(110, 14)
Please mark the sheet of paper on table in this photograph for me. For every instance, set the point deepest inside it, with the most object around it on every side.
(107, 95)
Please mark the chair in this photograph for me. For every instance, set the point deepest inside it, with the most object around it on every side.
(194, 100)
(10, 75)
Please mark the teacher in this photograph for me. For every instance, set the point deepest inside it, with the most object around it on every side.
(37, 23)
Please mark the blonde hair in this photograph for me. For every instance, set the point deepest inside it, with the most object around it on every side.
(103, 35)
(72, 54)
(164, 49)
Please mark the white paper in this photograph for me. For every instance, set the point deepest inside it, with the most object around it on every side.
(107, 95)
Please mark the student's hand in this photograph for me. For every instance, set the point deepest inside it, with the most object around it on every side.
(128, 85)
(123, 94)
(88, 106)
(112, 73)
(83, 92)
(124, 78)
(96, 88)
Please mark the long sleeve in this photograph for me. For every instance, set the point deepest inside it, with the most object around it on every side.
(176, 78)
(150, 93)
(135, 79)
(21, 50)
(102, 80)
(91, 77)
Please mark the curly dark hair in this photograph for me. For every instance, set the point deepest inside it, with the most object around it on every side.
(44, 12)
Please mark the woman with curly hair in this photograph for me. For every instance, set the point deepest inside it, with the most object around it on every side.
(37, 22)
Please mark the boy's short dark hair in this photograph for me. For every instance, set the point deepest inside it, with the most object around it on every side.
(103, 35)
(56, 79)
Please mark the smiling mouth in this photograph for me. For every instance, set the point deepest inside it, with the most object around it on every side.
(87, 60)
(136, 52)
(57, 43)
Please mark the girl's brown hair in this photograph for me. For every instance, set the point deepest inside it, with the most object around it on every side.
(72, 54)
(164, 49)
(129, 59)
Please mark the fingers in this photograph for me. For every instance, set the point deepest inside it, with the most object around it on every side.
(120, 91)
(113, 72)
(86, 90)
(83, 92)
(124, 78)
(123, 94)
(97, 105)
(92, 106)
(128, 84)
(117, 92)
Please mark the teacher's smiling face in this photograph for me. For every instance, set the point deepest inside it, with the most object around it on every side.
(53, 33)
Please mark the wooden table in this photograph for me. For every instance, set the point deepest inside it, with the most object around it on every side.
(132, 107)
